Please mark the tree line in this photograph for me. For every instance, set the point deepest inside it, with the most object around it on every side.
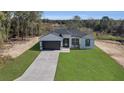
(104, 25)
(19, 24)
(22, 24)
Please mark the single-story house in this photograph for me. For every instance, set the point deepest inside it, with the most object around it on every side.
(66, 38)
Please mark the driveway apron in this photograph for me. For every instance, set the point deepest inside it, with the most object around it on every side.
(43, 68)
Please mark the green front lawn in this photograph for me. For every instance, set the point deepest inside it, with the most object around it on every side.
(16, 67)
(90, 64)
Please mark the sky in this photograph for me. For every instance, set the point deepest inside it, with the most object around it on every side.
(83, 14)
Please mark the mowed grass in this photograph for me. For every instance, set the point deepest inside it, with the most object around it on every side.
(17, 66)
(90, 64)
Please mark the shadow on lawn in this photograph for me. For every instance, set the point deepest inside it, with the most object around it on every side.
(36, 47)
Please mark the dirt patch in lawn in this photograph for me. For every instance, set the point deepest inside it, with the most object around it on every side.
(16, 48)
(113, 48)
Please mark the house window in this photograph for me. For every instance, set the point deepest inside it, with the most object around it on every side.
(87, 42)
(75, 42)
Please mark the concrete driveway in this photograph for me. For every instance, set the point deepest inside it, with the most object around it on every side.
(43, 68)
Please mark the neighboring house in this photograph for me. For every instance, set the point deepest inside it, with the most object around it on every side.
(62, 37)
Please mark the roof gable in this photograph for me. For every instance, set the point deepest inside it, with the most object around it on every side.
(51, 37)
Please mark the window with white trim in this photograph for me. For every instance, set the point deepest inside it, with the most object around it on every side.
(75, 42)
(87, 42)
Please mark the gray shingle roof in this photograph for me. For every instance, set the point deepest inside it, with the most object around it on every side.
(72, 32)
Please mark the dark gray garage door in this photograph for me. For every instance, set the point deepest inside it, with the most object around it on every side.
(51, 45)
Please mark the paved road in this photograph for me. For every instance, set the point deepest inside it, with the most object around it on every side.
(43, 68)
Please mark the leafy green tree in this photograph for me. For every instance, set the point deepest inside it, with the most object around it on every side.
(77, 18)
(104, 22)
(7, 23)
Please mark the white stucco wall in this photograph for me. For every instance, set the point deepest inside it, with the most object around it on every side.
(82, 41)
(40, 45)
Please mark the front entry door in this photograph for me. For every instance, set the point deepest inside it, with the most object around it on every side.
(66, 42)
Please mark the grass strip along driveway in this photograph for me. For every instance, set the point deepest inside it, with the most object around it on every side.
(17, 66)
(90, 64)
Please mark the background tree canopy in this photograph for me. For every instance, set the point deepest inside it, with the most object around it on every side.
(19, 24)
(23, 24)
(104, 25)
